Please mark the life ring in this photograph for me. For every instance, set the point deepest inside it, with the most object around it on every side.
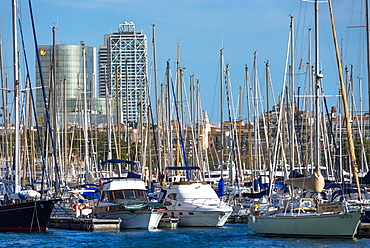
(79, 206)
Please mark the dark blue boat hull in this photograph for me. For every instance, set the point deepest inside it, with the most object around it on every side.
(27, 216)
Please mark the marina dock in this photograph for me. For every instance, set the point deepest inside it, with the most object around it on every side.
(85, 224)
(363, 230)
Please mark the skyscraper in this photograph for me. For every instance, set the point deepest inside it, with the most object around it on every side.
(123, 71)
(65, 92)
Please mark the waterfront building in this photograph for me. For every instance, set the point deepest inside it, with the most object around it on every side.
(123, 72)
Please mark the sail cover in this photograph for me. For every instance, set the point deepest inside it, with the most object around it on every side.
(315, 182)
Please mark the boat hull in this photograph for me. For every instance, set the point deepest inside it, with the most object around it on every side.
(206, 218)
(135, 219)
(26, 217)
(340, 225)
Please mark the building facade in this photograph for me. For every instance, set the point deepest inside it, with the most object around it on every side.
(65, 83)
(123, 72)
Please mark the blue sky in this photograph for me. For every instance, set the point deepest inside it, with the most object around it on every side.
(203, 27)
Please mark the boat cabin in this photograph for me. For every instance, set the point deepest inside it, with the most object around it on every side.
(111, 195)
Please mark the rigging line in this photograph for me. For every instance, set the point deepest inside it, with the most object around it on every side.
(180, 131)
(45, 100)
(348, 33)
(42, 151)
(156, 146)
(232, 128)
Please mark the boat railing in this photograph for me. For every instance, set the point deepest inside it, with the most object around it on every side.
(196, 203)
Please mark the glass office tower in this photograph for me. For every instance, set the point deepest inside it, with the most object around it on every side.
(66, 92)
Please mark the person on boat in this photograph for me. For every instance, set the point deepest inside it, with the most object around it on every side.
(256, 207)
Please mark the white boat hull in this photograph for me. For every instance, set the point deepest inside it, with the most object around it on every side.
(138, 219)
(343, 225)
(202, 218)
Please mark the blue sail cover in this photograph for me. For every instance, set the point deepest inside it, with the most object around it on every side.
(256, 195)
(221, 188)
(256, 185)
(95, 195)
(116, 161)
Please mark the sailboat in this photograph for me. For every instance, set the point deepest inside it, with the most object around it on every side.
(307, 217)
(21, 210)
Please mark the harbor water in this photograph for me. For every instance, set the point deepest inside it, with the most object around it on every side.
(231, 235)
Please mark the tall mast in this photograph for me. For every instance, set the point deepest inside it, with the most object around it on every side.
(156, 98)
(87, 165)
(292, 138)
(53, 101)
(169, 132)
(368, 48)
(108, 109)
(127, 113)
(256, 121)
(268, 157)
(248, 119)
(179, 98)
(16, 99)
(179, 81)
(221, 109)
(318, 77)
(118, 113)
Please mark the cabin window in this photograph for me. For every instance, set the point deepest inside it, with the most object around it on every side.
(140, 194)
(172, 196)
(118, 194)
(104, 197)
(129, 194)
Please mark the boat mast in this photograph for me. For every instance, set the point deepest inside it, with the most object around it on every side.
(108, 110)
(318, 77)
(368, 47)
(168, 114)
(16, 100)
(87, 166)
(292, 138)
(256, 121)
(127, 134)
(156, 98)
(249, 161)
(268, 136)
(221, 111)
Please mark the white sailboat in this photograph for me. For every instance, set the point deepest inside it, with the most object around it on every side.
(308, 217)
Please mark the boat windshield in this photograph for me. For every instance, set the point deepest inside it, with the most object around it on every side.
(111, 195)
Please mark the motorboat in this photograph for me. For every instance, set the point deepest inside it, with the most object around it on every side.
(195, 204)
(126, 198)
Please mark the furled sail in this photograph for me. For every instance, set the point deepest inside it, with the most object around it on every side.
(315, 182)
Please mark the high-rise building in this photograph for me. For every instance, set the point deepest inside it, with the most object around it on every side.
(123, 71)
(66, 92)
